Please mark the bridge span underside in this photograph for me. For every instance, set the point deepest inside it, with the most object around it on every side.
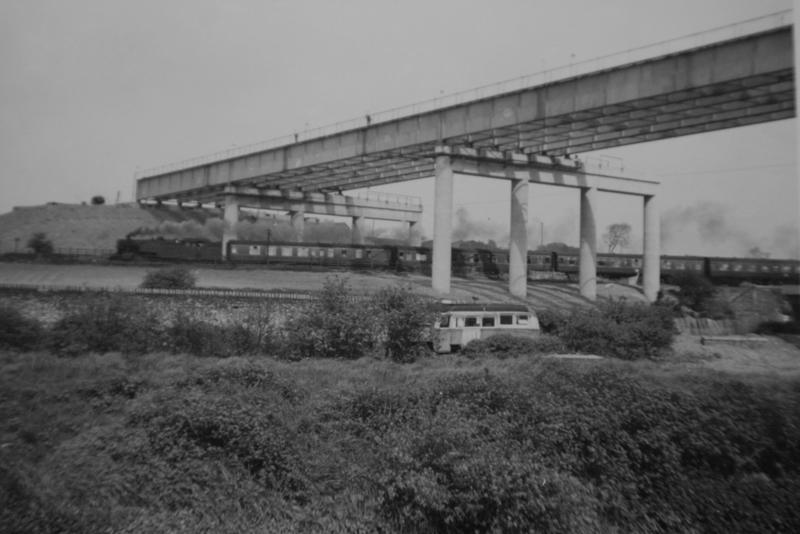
(734, 83)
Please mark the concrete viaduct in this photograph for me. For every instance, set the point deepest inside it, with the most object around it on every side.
(523, 131)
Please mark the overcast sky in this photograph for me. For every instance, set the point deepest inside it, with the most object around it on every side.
(92, 90)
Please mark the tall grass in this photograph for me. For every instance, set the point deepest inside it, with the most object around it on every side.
(160, 443)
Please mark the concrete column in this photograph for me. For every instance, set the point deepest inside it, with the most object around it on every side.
(231, 219)
(651, 259)
(414, 235)
(442, 224)
(587, 262)
(518, 244)
(796, 39)
(298, 222)
(359, 230)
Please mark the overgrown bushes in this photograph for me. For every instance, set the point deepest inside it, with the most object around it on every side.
(698, 294)
(179, 444)
(393, 323)
(614, 328)
(340, 325)
(115, 323)
(186, 334)
(405, 320)
(334, 326)
(170, 278)
(17, 331)
(106, 323)
(510, 346)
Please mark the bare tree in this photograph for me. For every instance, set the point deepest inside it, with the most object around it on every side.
(618, 235)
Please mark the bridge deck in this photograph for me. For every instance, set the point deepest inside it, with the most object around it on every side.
(746, 80)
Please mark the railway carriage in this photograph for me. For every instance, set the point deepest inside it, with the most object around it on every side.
(542, 261)
(465, 262)
(410, 259)
(321, 254)
(734, 270)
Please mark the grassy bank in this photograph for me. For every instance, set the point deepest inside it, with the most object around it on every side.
(172, 443)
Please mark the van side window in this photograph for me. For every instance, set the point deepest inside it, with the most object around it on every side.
(522, 319)
(444, 321)
(471, 321)
(506, 319)
(487, 321)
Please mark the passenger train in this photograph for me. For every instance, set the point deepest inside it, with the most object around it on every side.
(465, 262)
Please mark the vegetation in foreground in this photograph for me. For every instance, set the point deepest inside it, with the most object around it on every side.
(175, 277)
(164, 443)
(345, 429)
(394, 323)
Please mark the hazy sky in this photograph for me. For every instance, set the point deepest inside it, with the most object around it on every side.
(91, 90)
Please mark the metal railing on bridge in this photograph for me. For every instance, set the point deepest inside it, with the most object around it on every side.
(388, 198)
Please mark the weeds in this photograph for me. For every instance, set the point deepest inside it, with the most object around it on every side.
(245, 445)
(17, 331)
(616, 329)
(170, 278)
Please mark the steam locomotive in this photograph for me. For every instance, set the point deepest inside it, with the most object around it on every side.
(465, 262)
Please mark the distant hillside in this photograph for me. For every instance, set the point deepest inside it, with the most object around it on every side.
(73, 226)
(99, 227)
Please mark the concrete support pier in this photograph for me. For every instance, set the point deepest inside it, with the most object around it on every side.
(231, 219)
(298, 222)
(587, 264)
(442, 224)
(651, 262)
(518, 243)
(359, 231)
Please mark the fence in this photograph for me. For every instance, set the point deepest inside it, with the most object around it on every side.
(218, 292)
(85, 252)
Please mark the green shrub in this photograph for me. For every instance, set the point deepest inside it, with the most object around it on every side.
(240, 445)
(40, 244)
(404, 319)
(775, 327)
(550, 321)
(105, 323)
(509, 345)
(17, 331)
(447, 478)
(187, 334)
(334, 326)
(695, 290)
(170, 278)
(617, 329)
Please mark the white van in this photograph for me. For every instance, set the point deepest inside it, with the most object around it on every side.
(458, 324)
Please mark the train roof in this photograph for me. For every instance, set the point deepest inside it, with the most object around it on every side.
(486, 306)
